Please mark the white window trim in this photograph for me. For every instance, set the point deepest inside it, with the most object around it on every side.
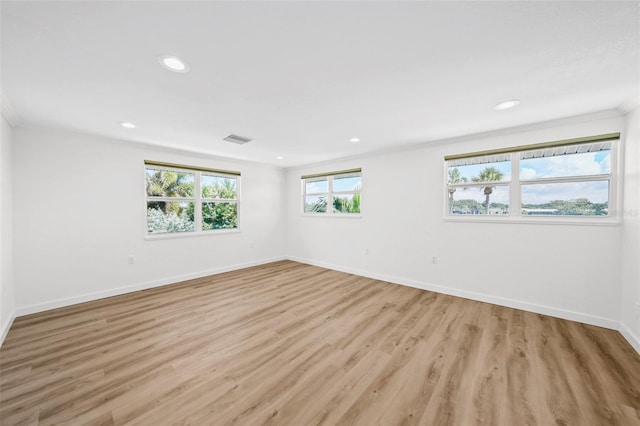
(329, 194)
(515, 215)
(196, 199)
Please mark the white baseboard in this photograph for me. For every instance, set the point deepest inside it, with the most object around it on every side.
(59, 303)
(6, 327)
(480, 297)
(630, 336)
(541, 309)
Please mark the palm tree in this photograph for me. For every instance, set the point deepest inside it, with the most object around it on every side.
(168, 184)
(225, 190)
(488, 174)
(454, 177)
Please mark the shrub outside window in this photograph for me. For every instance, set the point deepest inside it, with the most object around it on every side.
(336, 193)
(185, 199)
(571, 179)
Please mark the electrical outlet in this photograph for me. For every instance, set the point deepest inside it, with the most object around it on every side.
(131, 260)
(434, 260)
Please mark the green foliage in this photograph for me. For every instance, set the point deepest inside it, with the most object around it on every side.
(168, 184)
(219, 188)
(320, 206)
(355, 204)
(577, 207)
(488, 174)
(219, 216)
(456, 177)
(159, 222)
(174, 216)
(340, 204)
(346, 205)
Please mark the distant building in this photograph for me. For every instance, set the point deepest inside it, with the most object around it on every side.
(498, 210)
(539, 212)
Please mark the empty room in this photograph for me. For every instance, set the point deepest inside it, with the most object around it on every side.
(320, 213)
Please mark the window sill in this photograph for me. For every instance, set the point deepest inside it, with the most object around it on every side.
(340, 216)
(538, 220)
(170, 236)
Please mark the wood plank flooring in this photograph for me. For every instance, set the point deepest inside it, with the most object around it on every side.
(293, 344)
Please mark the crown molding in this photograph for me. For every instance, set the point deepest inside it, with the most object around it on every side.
(631, 103)
(7, 110)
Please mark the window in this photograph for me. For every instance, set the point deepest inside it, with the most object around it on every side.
(185, 199)
(479, 185)
(571, 178)
(336, 193)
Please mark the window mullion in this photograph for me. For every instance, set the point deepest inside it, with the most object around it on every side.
(172, 199)
(561, 179)
(514, 187)
(322, 203)
(330, 196)
(197, 211)
(570, 179)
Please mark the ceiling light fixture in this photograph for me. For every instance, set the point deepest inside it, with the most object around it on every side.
(354, 140)
(128, 125)
(511, 103)
(279, 157)
(173, 63)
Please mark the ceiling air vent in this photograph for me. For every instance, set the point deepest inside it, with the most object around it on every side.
(237, 139)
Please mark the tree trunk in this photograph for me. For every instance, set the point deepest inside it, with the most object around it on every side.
(487, 192)
(451, 192)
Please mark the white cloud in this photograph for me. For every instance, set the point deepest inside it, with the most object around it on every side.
(577, 164)
(596, 192)
(605, 164)
(527, 173)
(316, 187)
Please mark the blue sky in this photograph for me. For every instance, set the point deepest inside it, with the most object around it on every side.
(339, 184)
(590, 163)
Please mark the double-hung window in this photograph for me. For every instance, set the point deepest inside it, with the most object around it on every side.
(335, 193)
(570, 178)
(479, 185)
(186, 199)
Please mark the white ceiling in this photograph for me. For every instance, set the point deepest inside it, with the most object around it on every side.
(302, 78)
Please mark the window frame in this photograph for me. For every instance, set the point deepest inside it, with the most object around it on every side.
(330, 176)
(516, 184)
(197, 199)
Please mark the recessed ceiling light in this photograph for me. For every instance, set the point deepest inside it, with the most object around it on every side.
(354, 140)
(173, 63)
(128, 125)
(279, 157)
(511, 103)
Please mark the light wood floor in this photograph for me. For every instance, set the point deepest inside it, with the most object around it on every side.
(292, 344)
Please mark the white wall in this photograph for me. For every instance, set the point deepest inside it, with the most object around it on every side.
(79, 211)
(7, 298)
(569, 271)
(630, 279)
